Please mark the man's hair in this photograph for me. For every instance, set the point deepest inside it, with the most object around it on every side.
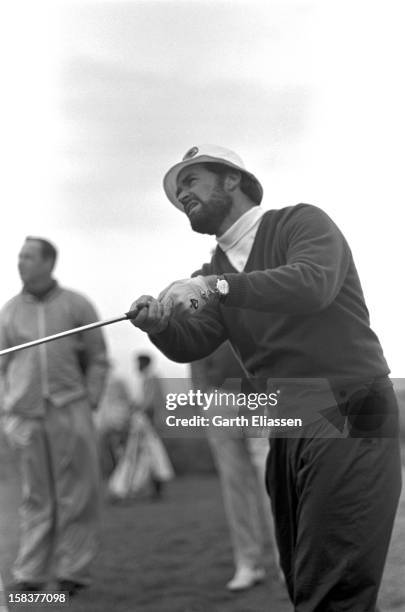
(246, 184)
(48, 250)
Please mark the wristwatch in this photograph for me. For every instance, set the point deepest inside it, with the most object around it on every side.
(222, 288)
(217, 288)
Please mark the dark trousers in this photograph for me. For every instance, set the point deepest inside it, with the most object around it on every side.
(334, 501)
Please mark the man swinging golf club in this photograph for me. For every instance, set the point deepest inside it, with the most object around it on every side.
(282, 287)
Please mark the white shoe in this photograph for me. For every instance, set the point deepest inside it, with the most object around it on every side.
(245, 578)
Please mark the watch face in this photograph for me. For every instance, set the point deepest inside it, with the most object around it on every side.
(223, 286)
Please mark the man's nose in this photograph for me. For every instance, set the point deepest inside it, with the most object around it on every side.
(183, 196)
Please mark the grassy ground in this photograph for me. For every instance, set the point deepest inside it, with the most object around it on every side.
(173, 556)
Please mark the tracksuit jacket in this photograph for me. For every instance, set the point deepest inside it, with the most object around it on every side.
(61, 371)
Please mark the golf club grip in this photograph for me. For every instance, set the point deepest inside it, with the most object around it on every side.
(131, 314)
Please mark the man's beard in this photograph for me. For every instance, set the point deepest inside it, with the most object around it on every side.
(209, 217)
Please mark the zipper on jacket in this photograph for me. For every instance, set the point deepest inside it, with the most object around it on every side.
(43, 357)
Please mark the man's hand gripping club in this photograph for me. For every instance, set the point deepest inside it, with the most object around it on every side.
(183, 297)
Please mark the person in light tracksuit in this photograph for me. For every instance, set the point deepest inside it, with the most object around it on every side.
(48, 393)
(240, 457)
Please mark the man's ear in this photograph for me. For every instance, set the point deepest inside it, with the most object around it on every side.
(232, 180)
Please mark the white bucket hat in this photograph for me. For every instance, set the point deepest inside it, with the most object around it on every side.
(214, 154)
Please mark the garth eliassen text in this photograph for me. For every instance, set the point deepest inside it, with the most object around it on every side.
(256, 420)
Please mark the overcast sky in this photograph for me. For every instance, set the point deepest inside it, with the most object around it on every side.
(99, 99)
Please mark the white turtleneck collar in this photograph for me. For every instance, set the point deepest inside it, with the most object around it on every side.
(238, 240)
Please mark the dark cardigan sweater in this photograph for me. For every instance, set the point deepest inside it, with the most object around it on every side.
(296, 310)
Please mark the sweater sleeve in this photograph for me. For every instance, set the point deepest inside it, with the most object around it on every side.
(317, 261)
(192, 337)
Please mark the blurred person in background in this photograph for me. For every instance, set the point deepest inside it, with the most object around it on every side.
(145, 464)
(48, 395)
(240, 458)
(112, 421)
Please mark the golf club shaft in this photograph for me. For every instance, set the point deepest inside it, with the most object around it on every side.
(69, 332)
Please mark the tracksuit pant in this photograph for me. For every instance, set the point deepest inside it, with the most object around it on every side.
(334, 501)
(59, 511)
